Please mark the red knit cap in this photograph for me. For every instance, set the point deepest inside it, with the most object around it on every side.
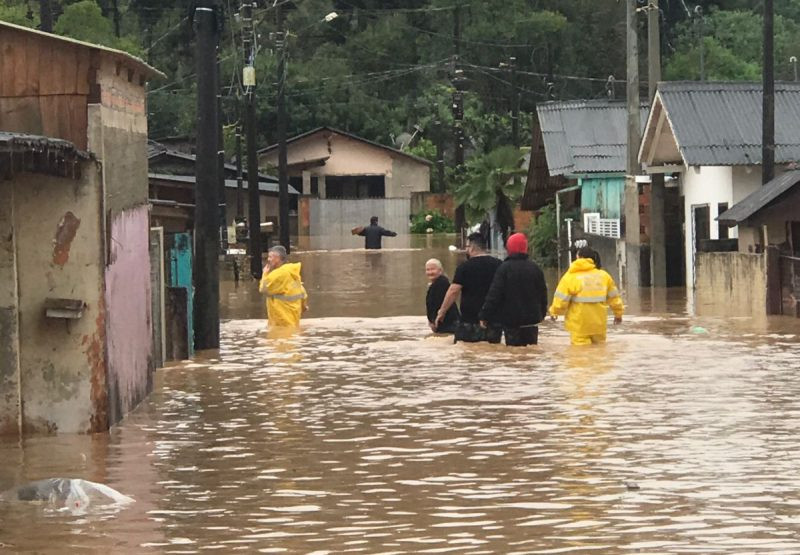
(517, 244)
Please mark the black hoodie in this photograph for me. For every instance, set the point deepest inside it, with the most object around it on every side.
(518, 294)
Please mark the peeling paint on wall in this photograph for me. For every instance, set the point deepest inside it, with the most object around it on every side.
(129, 337)
(65, 233)
(96, 359)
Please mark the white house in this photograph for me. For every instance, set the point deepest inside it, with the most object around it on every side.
(709, 135)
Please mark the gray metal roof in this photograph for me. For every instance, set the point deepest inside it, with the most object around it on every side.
(585, 136)
(760, 198)
(265, 186)
(719, 124)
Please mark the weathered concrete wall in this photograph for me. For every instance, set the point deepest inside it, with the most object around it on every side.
(443, 202)
(9, 324)
(59, 255)
(117, 136)
(408, 176)
(731, 284)
(128, 320)
(335, 218)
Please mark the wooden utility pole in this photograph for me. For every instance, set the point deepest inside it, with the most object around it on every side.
(206, 230)
(658, 249)
(253, 200)
(632, 237)
(283, 171)
(458, 116)
(239, 174)
(768, 99)
(46, 16)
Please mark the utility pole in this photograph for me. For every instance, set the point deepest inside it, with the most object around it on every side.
(458, 116)
(223, 226)
(632, 234)
(253, 201)
(658, 249)
(206, 232)
(768, 100)
(46, 16)
(698, 10)
(239, 174)
(512, 64)
(283, 177)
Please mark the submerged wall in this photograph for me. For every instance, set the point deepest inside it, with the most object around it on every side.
(9, 324)
(731, 284)
(59, 255)
(128, 325)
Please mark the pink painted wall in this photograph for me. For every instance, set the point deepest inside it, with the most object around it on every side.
(130, 347)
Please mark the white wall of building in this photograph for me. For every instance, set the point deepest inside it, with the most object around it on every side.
(701, 186)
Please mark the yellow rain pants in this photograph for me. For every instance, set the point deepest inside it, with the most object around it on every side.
(584, 294)
(285, 293)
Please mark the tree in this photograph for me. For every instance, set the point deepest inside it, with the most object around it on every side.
(489, 184)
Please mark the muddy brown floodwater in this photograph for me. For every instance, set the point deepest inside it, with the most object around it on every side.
(365, 434)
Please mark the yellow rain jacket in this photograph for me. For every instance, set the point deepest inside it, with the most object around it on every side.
(584, 295)
(286, 295)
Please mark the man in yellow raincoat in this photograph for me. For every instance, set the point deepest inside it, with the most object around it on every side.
(584, 294)
(283, 286)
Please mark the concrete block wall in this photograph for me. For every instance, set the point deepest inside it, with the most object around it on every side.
(731, 284)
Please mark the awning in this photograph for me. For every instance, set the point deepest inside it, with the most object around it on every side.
(759, 199)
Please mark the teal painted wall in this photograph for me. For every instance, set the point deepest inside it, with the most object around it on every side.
(603, 195)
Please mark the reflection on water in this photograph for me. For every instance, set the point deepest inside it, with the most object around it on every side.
(369, 435)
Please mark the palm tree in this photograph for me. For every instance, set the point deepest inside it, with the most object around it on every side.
(489, 186)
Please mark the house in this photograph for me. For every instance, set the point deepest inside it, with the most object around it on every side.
(765, 272)
(578, 158)
(75, 295)
(345, 179)
(172, 182)
(708, 135)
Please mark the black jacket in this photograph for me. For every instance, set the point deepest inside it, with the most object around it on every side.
(373, 234)
(518, 295)
(433, 301)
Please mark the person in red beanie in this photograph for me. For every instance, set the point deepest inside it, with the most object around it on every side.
(517, 298)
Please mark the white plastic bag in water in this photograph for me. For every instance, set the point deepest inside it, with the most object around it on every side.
(68, 494)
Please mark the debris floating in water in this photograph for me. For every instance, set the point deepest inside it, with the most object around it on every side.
(70, 494)
(632, 486)
(452, 248)
(699, 330)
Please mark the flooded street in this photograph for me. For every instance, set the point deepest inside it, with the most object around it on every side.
(365, 434)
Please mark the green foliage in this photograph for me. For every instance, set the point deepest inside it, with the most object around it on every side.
(424, 149)
(732, 47)
(19, 14)
(543, 237)
(433, 220)
(84, 21)
(487, 177)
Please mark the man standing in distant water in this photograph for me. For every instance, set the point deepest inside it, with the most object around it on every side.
(472, 281)
(372, 233)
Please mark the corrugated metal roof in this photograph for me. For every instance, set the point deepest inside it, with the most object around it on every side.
(585, 136)
(265, 186)
(760, 198)
(33, 153)
(391, 150)
(719, 124)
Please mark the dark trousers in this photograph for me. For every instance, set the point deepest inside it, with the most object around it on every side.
(472, 332)
(520, 337)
